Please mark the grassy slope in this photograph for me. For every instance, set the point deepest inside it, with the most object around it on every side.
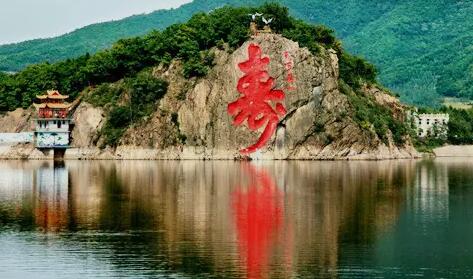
(422, 48)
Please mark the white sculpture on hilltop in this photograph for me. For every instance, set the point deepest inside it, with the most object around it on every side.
(267, 21)
(254, 16)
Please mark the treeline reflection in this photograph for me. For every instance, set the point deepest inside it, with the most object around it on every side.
(224, 219)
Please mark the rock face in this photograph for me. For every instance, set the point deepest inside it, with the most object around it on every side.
(88, 120)
(316, 126)
(19, 120)
(192, 121)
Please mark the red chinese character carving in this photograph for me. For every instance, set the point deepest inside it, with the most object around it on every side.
(256, 89)
(289, 65)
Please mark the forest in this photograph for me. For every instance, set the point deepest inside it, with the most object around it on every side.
(186, 41)
(126, 66)
(421, 48)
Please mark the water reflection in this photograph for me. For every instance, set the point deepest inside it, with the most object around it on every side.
(258, 212)
(50, 190)
(221, 219)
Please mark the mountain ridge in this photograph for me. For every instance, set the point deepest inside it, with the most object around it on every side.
(422, 49)
(215, 87)
(322, 121)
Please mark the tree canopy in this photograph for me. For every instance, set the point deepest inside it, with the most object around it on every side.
(188, 41)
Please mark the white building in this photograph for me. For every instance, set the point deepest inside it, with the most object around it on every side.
(431, 124)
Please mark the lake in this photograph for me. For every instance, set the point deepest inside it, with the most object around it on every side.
(225, 219)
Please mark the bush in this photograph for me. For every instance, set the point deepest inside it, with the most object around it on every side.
(111, 136)
(119, 118)
(104, 94)
(460, 126)
(369, 114)
(145, 90)
(354, 70)
(199, 66)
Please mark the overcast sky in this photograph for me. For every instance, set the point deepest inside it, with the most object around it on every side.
(30, 19)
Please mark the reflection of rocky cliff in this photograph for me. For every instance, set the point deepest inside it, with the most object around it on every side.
(192, 204)
(191, 216)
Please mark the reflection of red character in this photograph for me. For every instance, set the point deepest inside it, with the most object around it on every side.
(256, 88)
(258, 214)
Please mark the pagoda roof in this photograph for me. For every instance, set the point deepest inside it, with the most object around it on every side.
(52, 94)
(52, 105)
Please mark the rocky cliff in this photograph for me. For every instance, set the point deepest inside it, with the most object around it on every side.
(192, 121)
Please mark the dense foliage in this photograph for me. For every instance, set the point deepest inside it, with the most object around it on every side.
(372, 116)
(420, 51)
(140, 95)
(189, 42)
(119, 78)
(460, 126)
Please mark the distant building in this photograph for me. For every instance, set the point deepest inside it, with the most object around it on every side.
(431, 124)
(53, 122)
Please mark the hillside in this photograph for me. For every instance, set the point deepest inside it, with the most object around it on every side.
(211, 89)
(422, 49)
(90, 39)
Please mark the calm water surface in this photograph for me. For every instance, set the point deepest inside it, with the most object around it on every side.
(145, 219)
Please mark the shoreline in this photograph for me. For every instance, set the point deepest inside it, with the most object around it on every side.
(464, 151)
(186, 153)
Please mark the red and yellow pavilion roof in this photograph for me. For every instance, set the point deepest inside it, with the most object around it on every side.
(52, 106)
(53, 100)
(53, 95)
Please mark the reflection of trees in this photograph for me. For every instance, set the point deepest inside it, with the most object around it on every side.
(335, 203)
(433, 233)
(178, 216)
(41, 189)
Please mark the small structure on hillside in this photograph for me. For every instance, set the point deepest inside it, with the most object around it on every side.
(267, 27)
(431, 125)
(254, 24)
(52, 122)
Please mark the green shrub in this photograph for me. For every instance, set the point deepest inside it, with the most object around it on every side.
(145, 90)
(354, 70)
(200, 65)
(104, 94)
(120, 117)
(111, 136)
(369, 114)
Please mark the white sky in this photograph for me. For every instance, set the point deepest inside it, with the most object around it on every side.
(22, 20)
